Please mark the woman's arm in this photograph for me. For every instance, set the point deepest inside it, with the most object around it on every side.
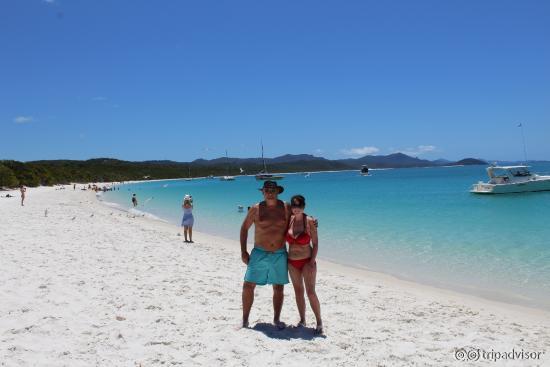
(314, 239)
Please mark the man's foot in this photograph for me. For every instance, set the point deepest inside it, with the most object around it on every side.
(301, 323)
(191, 242)
(279, 324)
(245, 324)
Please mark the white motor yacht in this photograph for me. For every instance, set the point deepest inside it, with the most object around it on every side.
(511, 179)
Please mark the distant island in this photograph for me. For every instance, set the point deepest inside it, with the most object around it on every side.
(51, 172)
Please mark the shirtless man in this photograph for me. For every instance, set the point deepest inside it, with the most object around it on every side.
(267, 263)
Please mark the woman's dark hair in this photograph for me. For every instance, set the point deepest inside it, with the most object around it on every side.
(298, 201)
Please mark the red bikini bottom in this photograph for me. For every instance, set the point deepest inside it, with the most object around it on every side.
(299, 264)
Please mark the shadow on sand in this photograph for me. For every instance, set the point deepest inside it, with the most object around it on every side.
(288, 333)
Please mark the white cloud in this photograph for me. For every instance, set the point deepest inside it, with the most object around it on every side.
(318, 151)
(419, 150)
(49, 1)
(99, 98)
(23, 119)
(426, 148)
(359, 152)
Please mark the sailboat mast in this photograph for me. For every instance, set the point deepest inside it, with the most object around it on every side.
(227, 162)
(523, 139)
(263, 159)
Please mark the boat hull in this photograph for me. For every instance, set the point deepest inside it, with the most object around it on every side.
(512, 188)
(268, 178)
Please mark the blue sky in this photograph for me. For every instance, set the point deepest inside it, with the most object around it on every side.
(180, 80)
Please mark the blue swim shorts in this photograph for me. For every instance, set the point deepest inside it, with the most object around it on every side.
(267, 267)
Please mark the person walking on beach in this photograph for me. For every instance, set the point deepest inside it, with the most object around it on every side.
(267, 262)
(188, 219)
(23, 190)
(134, 200)
(303, 245)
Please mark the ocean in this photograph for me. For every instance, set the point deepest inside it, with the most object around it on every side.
(419, 224)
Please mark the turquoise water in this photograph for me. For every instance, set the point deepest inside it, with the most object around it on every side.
(420, 224)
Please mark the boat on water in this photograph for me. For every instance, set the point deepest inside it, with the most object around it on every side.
(263, 175)
(364, 170)
(511, 179)
(227, 177)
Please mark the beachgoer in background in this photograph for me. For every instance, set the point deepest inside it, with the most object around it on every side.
(74, 187)
(303, 245)
(267, 263)
(23, 189)
(188, 219)
(134, 200)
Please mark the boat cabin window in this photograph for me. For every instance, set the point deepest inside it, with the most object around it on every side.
(520, 172)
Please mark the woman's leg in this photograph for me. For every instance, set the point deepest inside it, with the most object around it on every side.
(185, 230)
(298, 284)
(310, 275)
(190, 234)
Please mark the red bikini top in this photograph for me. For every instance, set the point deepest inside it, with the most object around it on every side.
(303, 238)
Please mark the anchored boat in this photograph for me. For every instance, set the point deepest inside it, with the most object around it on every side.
(227, 177)
(511, 179)
(264, 175)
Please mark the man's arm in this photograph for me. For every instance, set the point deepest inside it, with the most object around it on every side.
(247, 223)
(288, 214)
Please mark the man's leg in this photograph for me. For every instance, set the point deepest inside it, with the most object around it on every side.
(278, 297)
(248, 300)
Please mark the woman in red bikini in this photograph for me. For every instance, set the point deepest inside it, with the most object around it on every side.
(302, 267)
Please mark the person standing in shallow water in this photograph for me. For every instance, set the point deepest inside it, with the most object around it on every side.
(303, 245)
(134, 200)
(23, 190)
(188, 220)
(267, 263)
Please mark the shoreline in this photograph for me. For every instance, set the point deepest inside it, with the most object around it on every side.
(365, 272)
(513, 300)
(84, 285)
(493, 296)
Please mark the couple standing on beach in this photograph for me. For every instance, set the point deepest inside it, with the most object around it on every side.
(276, 222)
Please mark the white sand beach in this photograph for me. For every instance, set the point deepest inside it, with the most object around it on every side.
(88, 285)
